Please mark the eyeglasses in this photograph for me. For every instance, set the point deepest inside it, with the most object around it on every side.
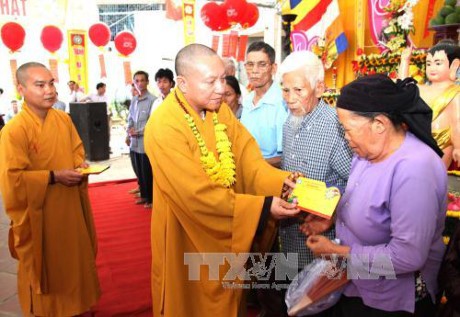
(260, 65)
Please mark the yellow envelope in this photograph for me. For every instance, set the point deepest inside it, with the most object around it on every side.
(93, 169)
(315, 197)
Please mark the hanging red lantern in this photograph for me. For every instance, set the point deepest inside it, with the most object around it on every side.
(215, 17)
(125, 43)
(99, 34)
(13, 35)
(250, 17)
(234, 9)
(51, 38)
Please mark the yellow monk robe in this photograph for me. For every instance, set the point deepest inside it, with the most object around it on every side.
(193, 214)
(443, 136)
(52, 233)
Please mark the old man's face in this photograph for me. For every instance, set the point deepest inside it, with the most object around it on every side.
(300, 97)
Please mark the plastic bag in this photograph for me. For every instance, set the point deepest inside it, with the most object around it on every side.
(316, 288)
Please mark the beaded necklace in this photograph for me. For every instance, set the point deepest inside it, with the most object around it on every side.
(222, 171)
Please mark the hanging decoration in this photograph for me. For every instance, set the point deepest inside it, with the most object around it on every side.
(52, 38)
(173, 9)
(221, 17)
(126, 43)
(78, 57)
(250, 17)
(188, 7)
(99, 34)
(13, 35)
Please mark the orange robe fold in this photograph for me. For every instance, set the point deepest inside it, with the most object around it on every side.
(192, 214)
(52, 231)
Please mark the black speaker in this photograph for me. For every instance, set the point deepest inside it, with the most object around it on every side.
(91, 122)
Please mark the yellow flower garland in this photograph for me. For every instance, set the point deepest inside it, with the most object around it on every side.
(222, 171)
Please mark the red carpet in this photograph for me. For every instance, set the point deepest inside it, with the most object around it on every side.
(124, 254)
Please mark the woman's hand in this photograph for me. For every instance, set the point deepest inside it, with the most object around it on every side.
(321, 245)
(313, 225)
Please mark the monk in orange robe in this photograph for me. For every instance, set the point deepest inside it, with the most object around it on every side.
(52, 232)
(204, 204)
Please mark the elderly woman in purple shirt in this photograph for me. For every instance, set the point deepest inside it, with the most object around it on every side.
(391, 216)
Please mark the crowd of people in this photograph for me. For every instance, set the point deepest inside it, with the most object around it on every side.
(215, 162)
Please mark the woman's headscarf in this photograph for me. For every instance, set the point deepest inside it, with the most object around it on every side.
(378, 93)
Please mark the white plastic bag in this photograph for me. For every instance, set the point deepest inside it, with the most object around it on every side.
(316, 288)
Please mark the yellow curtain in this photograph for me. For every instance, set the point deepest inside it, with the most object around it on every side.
(349, 14)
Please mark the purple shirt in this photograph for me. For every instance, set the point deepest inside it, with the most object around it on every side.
(392, 216)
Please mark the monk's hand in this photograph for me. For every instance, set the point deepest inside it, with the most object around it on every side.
(289, 184)
(313, 225)
(68, 177)
(456, 155)
(83, 165)
(281, 209)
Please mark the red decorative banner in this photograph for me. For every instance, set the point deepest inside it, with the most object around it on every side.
(54, 69)
(243, 42)
(215, 43)
(127, 71)
(233, 43)
(226, 45)
(102, 66)
(429, 15)
(13, 67)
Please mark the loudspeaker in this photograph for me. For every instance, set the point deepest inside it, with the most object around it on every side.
(91, 122)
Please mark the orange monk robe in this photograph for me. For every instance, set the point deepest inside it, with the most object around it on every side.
(192, 214)
(52, 233)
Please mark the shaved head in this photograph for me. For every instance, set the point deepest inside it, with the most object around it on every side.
(21, 73)
(186, 57)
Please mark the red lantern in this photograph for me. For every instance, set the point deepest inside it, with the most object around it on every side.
(13, 35)
(125, 43)
(250, 17)
(51, 38)
(234, 9)
(99, 34)
(214, 17)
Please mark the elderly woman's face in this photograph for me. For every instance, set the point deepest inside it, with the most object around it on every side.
(231, 97)
(358, 133)
(300, 97)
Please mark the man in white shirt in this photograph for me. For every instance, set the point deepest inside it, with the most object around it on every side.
(99, 96)
(75, 95)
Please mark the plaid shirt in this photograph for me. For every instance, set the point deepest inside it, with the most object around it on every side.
(317, 149)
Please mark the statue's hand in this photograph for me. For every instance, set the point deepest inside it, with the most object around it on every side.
(406, 54)
(456, 155)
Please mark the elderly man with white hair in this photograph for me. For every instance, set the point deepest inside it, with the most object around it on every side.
(313, 139)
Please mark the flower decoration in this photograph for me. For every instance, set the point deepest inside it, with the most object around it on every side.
(222, 171)
(400, 22)
(388, 63)
(330, 96)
